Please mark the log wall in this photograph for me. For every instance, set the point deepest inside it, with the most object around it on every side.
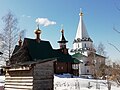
(43, 76)
(38, 76)
(18, 79)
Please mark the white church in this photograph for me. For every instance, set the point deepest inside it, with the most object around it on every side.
(84, 51)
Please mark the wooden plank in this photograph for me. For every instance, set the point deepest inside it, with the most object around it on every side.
(17, 69)
(15, 86)
(17, 89)
(19, 77)
(19, 80)
(20, 83)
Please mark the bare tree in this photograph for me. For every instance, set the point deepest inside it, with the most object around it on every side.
(96, 60)
(101, 49)
(9, 35)
(114, 73)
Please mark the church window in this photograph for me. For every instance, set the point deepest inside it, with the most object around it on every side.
(87, 71)
(85, 45)
(78, 45)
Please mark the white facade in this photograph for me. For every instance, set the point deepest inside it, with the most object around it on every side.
(83, 44)
(83, 68)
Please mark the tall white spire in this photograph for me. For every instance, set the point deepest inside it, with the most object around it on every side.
(81, 30)
(82, 41)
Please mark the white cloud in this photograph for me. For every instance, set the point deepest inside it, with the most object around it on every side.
(45, 21)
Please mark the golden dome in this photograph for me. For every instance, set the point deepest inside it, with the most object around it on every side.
(37, 31)
(81, 14)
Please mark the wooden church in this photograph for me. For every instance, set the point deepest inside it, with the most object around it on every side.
(34, 62)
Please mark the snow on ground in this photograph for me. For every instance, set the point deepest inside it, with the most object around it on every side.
(63, 83)
(81, 84)
(2, 80)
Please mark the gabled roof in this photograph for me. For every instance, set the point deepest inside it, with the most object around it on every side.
(21, 55)
(40, 50)
(33, 51)
(17, 47)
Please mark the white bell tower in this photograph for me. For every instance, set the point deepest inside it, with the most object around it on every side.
(82, 42)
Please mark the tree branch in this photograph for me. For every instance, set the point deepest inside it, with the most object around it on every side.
(114, 46)
(116, 30)
(117, 7)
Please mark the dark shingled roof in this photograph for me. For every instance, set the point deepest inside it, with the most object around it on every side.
(40, 50)
(33, 50)
(17, 47)
(63, 57)
(21, 55)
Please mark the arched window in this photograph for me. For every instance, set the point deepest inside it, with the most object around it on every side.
(85, 45)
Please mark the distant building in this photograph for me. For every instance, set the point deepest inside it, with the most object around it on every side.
(84, 51)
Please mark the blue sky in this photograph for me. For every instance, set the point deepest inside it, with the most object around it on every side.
(99, 17)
